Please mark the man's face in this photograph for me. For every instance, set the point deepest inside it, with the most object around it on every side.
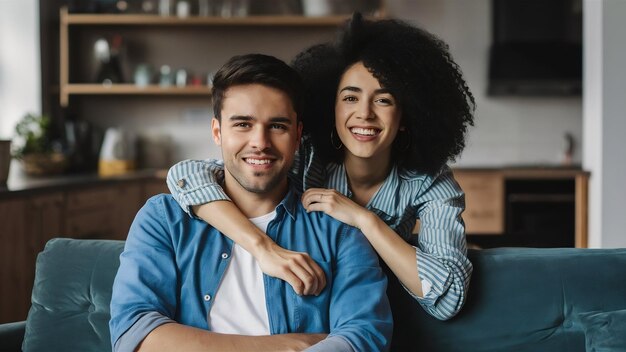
(259, 135)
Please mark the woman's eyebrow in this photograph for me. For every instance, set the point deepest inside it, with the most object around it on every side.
(359, 90)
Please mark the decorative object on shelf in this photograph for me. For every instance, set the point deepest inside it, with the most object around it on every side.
(36, 150)
(316, 8)
(181, 78)
(148, 6)
(165, 76)
(117, 155)
(108, 57)
(143, 75)
(165, 7)
(5, 161)
(183, 9)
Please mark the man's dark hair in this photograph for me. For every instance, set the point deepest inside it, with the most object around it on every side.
(257, 69)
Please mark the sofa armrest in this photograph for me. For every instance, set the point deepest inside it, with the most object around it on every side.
(11, 336)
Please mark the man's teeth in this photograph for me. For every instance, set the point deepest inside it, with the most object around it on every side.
(258, 161)
(364, 131)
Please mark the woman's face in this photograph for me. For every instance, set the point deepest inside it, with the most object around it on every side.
(367, 116)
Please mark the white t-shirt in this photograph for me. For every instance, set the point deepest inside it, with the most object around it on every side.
(239, 304)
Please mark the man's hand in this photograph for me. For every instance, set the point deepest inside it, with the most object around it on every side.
(296, 268)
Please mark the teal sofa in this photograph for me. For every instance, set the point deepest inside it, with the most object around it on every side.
(520, 299)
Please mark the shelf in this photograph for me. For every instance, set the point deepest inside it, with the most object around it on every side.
(156, 20)
(131, 89)
(68, 20)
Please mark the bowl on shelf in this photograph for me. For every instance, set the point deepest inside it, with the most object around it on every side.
(43, 164)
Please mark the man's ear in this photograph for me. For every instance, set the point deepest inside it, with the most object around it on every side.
(216, 131)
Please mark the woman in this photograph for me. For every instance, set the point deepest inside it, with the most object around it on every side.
(386, 109)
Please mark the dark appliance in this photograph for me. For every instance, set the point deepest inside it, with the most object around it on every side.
(536, 48)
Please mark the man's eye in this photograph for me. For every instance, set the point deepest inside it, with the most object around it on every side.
(278, 126)
(242, 124)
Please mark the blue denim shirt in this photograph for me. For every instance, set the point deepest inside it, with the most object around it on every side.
(172, 265)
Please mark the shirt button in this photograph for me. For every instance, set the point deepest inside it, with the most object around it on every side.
(224, 255)
(207, 297)
(181, 183)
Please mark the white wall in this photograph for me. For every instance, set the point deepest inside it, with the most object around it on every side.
(605, 120)
(20, 73)
(509, 130)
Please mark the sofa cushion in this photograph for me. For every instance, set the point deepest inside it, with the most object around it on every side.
(71, 296)
(604, 331)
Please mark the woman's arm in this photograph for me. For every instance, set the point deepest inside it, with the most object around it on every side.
(395, 252)
(195, 185)
(436, 271)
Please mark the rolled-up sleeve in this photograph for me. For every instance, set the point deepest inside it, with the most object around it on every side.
(196, 182)
(441, 249)
(144, 290)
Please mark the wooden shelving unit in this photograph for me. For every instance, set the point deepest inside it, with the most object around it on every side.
(67, 89)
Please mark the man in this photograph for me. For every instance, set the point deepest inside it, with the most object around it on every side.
(184, 286)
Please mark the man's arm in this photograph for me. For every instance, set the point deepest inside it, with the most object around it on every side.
(177, 337)
(359, 308)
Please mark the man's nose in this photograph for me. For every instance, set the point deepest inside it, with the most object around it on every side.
(260, 139)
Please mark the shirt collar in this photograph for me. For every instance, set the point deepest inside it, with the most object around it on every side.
(289, 204)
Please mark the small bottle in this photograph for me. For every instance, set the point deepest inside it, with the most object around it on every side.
(182, 9)
(165, 8)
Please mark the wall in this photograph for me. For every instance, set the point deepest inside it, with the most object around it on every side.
(509, 130)
(604, 122)
(20, 73)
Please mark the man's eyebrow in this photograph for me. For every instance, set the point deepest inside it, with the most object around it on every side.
(241, 118)
(278, 119)
(359, 90)
(281, 119)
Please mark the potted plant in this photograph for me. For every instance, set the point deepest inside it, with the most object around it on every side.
(35, 148)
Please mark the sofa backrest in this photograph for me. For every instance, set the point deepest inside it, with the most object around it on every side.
(71, 296)
(520, 299)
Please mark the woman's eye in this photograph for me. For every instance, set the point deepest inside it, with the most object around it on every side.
(384, 101)
(349, 98)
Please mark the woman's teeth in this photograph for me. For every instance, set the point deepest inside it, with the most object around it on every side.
(364, 131)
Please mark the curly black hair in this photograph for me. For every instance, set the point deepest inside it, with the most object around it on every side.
(436, 104)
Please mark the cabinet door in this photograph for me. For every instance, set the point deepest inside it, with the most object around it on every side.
(484, 201)
(14, 300)
(91, 213)
(129, 201)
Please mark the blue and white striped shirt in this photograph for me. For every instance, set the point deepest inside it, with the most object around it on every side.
(405, 196)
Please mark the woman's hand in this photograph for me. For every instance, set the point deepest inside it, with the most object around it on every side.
(298, 269)
(336, 205)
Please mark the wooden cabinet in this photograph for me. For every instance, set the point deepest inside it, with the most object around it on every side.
(543, 207)
(28, 221)
(14, 265)
(484, 201)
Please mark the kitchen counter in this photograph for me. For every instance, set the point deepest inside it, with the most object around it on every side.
(20, 184)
